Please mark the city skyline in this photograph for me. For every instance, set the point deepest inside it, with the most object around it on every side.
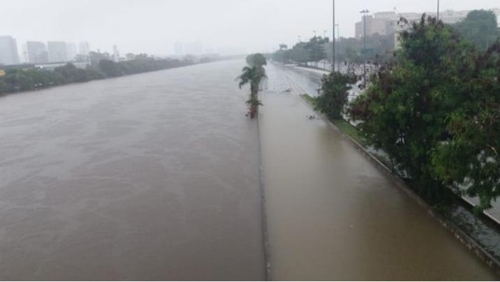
(183, 45)
(258, 25)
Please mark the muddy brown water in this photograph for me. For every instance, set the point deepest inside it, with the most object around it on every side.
(156, 177)
(333, 216)
(145, 177)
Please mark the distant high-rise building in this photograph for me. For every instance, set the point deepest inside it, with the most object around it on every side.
(386, 23)
(58, 51)
(8, 51)
(71, 49)
(37, 52)
(84, 48)
(209, 50)
(116, 54)
(179, 48)
(195, 48)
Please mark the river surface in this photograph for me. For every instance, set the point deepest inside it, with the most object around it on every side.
(146, 177)
(332, 215)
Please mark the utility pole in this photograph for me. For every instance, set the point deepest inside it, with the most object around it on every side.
(324, 40)
(333, 38)
(364, 12)
(438, 10)
(334, 49)
(314, 48)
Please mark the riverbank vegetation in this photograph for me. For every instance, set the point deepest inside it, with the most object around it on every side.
(434, 108)
(334, 94)
(435, 111)
(479, 28)
(18, 80)
(253, 74)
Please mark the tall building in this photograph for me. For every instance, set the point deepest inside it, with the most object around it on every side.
(386, 23)
(84, 48)
(374, 25)
(71, 49)
(37, 52)
(179, 48)
(8, 51)
(58, 51)
(194, 48)
(497, 12)
(116, 54)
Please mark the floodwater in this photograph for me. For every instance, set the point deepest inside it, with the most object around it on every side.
(333, 216)
(156, 177)
(146, 177)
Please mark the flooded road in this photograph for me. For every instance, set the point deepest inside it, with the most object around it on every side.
(146, 177)
(333, 216)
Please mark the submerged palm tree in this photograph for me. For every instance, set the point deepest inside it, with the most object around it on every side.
(253, 75)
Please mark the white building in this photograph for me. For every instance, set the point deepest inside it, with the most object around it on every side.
(37, 52)
(116, 54)
(71, 49)
(179, 48)
(385, 23)
(194, 48)
(8, 51)
(58, 51)
(84, 48)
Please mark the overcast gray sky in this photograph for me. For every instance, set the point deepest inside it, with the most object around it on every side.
(153, 26)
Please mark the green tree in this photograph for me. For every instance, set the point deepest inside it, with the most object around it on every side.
(334, 94)
(256, 60)
(480, 27)
(109, 68)
(3, 87)
(72, 74)
(254, 75)
(471, 158)
(316, 48)
(96, 57)
(299, 53)
(406, 110)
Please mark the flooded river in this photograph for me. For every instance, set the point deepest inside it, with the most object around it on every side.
(156, 177)
(333, 216)
(151, 176)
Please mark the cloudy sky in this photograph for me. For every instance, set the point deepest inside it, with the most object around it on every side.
(153, 26)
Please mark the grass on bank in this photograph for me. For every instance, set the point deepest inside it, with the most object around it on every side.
(350, 130)
(343, 125)
(309, 99)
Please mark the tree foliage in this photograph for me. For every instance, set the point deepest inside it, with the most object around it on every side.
(347, 49)
(303, 52)
(480, 27)
(24, 80)
(436, 110)
(334, 94)
(253, 74)
(256, 60)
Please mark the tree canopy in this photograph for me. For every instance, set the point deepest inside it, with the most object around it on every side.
(23, 80)
(253, 74)
(334, 94)
(436, 111)
(480, 27)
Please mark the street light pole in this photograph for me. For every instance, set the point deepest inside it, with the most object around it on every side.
(438, 10)
(314, 48)
(334, 42)
(364, 12)
(324, 40)
(333, 38)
